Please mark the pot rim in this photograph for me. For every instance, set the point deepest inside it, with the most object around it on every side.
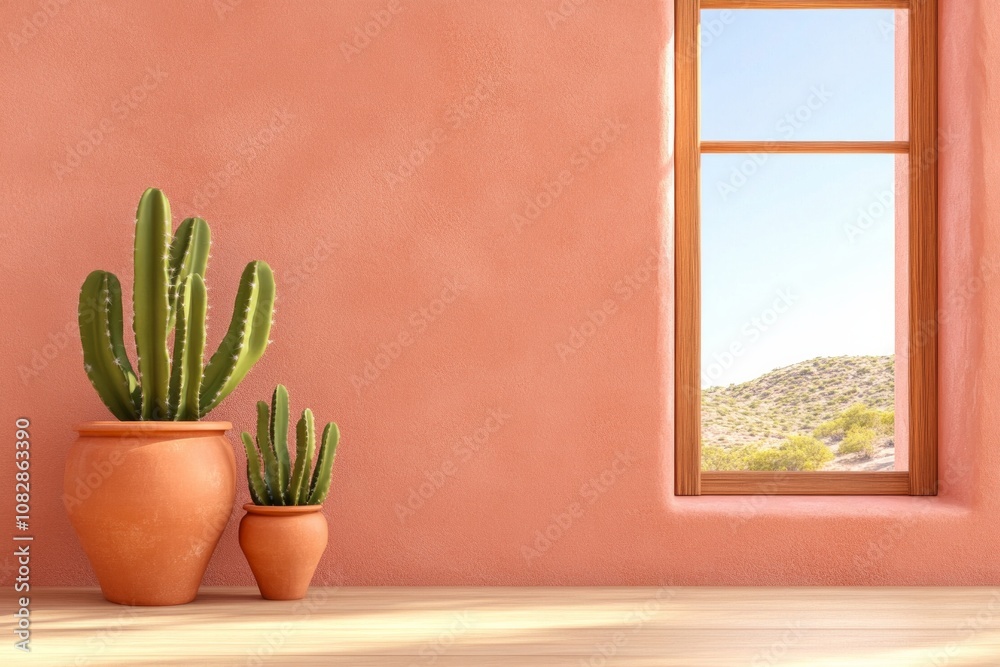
(281, 510)
(110, 427)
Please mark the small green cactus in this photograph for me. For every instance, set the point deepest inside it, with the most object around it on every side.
(169, 294)
(276, 483)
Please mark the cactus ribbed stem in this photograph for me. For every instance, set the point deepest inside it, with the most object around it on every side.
(246, 339)
(151, 301)
(305, 447)
(320, 486)
(188, 256)
(178, 368)
(104, 355)
(279, 434)
(189, 349)
(276, 482)
(258, 490)
(196, 303)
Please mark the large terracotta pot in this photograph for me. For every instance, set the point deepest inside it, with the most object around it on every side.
(283, 546)
(149, 501)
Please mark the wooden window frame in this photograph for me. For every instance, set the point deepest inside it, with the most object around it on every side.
(921, 146)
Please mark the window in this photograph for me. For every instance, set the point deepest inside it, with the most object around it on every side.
(774, 172)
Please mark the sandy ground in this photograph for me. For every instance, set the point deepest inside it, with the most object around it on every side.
(884, 459)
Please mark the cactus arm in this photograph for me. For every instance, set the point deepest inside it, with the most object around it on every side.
(246, 339)
(104, 355)
(305, 447)
(275, 483)
(188, 256)
(178, 368)
(189, 349)
(197, 294)
(279, 434)
(151, 301)
(320, 486)
(258, 490)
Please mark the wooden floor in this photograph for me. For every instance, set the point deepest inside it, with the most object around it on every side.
(523, 627)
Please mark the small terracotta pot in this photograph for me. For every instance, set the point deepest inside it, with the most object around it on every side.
(149, 501)
(283, 545)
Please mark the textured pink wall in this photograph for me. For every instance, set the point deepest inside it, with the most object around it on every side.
(496, 104)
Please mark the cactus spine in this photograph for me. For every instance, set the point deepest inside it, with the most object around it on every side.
(246, 339)
(305, 484)
(320, 484)
(188, 256)
(170, 295)
(151, 301)
(305, 441)
(189, 349)
(279, 433)
(104, 355)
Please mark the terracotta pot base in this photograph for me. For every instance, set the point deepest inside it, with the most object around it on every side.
(149, 502)
(283, 545)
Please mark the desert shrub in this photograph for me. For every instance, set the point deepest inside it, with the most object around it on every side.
(856, 416)
(859, 439)
(733, 458)
(797, 452)
(886, 423)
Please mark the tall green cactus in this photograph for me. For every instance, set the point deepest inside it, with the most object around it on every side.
(170, 295)
(271, 484)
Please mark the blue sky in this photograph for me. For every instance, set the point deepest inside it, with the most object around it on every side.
(798, 250)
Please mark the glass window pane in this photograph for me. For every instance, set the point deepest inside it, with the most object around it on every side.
(801, 75)
(799, 311)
